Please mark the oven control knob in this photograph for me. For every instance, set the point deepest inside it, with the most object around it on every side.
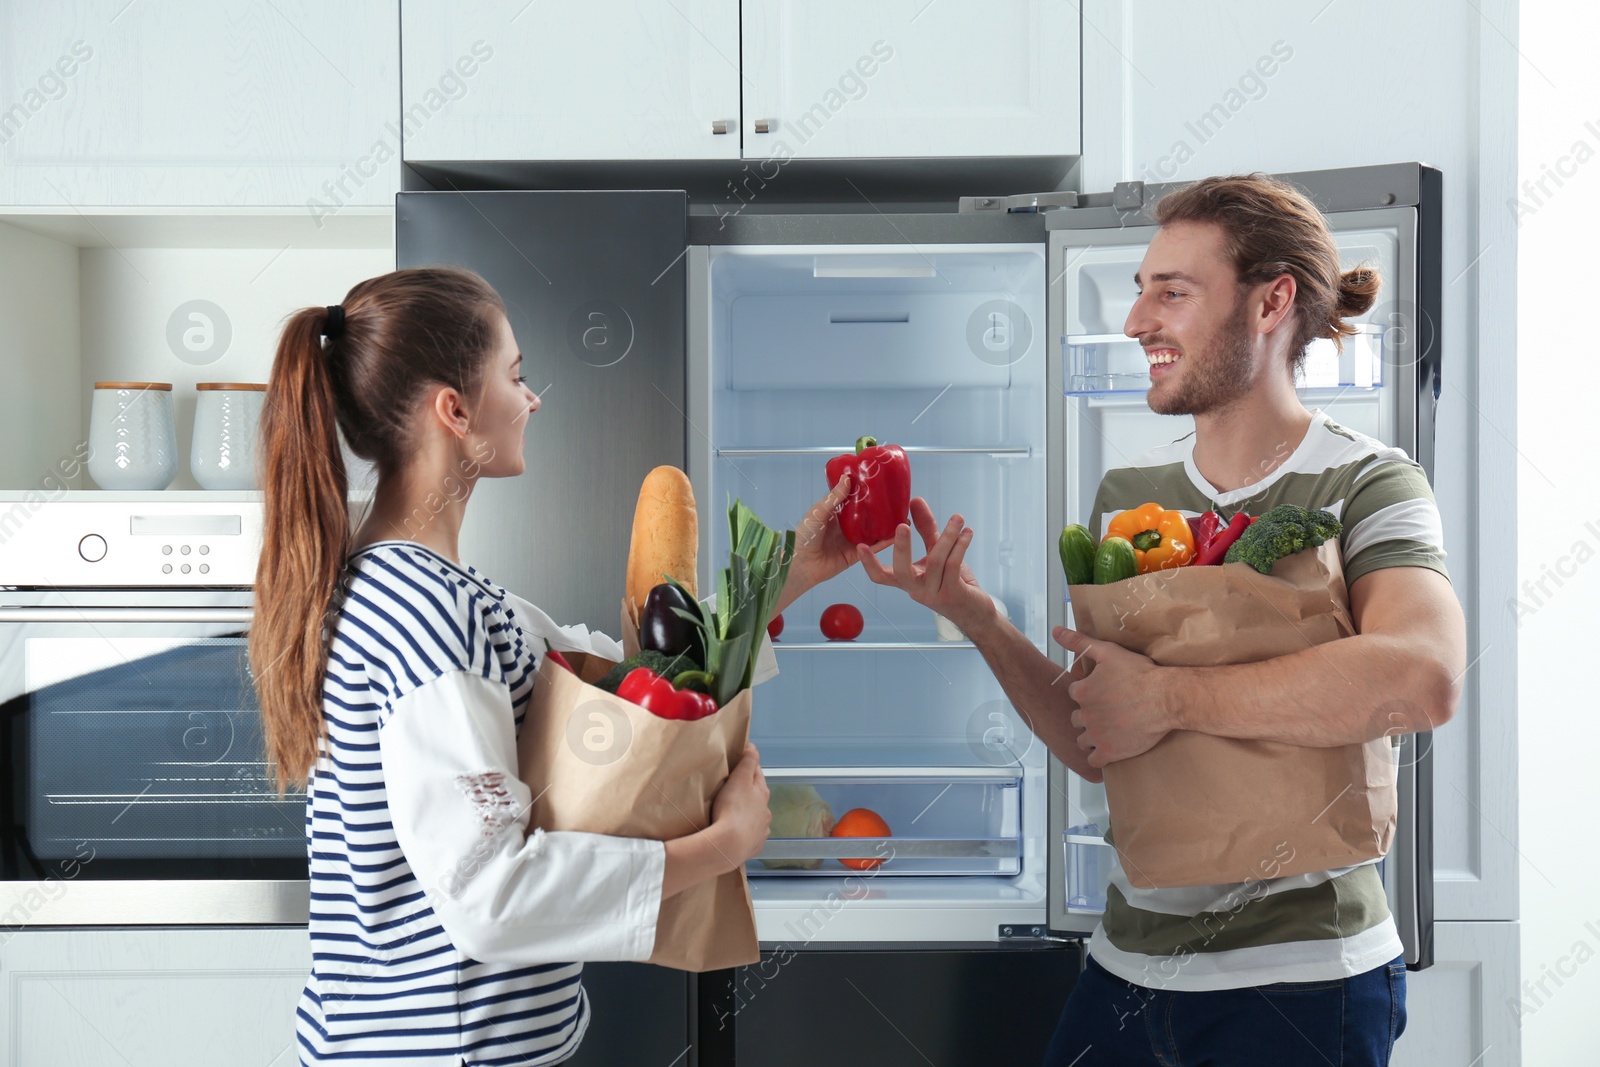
(92, 548)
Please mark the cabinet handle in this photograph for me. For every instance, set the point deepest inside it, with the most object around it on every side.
(765, 125)
(722, 126)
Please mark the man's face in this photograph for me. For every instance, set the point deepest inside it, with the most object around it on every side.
(1192, 320)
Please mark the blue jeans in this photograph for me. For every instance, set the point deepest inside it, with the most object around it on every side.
(1349, 1022)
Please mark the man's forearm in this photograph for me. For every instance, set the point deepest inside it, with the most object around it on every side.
(1343, 692)
(1036, 687)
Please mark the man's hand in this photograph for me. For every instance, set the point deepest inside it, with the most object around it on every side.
(1121, 710)
(939, 580)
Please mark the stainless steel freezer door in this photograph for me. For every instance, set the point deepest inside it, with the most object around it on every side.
(1404, 321)
(594, 288)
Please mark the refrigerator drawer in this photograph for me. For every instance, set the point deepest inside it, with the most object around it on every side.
(954, 823)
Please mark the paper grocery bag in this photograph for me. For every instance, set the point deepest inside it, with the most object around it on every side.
(1204, 810)
(600, 764)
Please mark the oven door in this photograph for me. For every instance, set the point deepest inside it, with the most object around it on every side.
(138, 790)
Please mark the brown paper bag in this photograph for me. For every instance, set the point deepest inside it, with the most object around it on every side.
(1203, 810)
(600, 764)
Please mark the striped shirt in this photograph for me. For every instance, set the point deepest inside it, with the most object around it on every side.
(1311, 927)
(441, 929)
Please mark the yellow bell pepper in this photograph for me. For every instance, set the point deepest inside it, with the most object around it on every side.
(1161, 538)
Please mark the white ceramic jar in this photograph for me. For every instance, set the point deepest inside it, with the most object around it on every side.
(226, 417)
(133, 442)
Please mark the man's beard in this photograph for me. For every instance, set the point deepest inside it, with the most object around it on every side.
(1220, 377)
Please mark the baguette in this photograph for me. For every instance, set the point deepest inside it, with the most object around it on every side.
(666, 535)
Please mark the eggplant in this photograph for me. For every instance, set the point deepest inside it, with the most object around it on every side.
(663, 630)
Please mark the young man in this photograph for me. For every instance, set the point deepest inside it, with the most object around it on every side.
(1240, 277)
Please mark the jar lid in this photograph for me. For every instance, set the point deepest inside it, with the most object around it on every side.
(164, 387)
(206, 387)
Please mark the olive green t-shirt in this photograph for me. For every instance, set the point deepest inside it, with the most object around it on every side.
(1312, 927)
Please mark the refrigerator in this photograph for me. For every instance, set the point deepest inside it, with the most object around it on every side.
(985, 338)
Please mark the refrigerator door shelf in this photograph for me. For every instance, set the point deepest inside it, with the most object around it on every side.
(1104, 363)
(940, 824)
(1088, 868)
(1097, 364)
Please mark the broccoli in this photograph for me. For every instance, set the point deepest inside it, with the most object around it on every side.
(663, 664)
(1283, 531)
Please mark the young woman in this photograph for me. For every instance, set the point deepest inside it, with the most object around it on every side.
(393, 678)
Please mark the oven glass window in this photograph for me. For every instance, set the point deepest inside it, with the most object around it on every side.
(137, 756)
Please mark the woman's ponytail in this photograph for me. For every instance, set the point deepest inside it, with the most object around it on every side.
(304, 542)
(389, 339)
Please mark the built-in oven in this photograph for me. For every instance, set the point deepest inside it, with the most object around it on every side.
(137, 787)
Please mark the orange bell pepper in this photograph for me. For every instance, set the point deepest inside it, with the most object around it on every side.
(1161, 538)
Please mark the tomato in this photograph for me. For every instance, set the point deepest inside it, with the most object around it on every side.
(775, 627)
(861, 822)
(842, 622)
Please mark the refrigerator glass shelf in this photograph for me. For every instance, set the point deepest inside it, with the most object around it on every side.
(868, 646)
(835, 450)
(1103, 363)
(809, 759)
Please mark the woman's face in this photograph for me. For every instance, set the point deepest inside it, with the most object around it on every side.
(501, 415)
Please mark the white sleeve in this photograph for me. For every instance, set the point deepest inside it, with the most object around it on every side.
(460, 815)
(766, 662)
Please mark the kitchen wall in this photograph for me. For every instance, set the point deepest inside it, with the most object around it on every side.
(38, 352)
(1558, 514)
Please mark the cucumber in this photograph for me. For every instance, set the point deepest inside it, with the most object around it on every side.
(1077, 554)
(1114, 561)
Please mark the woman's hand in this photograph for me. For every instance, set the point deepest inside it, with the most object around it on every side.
(739, 814)
(740, 821)
(939, 580)
(821, 551)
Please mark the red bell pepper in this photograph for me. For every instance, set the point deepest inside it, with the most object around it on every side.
(880, 491)
(1218, 547)
(656, 695)
(1203, 528)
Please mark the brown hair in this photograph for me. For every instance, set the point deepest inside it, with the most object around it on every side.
(402, 332)
(1271, 229)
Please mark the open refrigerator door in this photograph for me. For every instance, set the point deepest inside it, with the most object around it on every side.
(1383, 384)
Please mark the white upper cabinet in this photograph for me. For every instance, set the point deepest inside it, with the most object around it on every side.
(846, 79)
(198, 103)
(571, 79)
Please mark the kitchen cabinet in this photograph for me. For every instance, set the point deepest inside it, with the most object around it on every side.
(247, 103)
(195, 997)
(836, 78)
(641, 1015)
(570, 79)
(892, 1006)
(199, 997)
(724, 80)
(182, 297)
